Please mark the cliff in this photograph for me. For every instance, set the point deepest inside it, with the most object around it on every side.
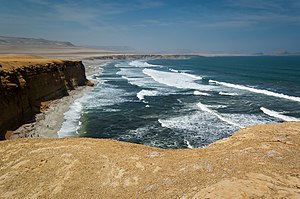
(26, 82)
(256, 162)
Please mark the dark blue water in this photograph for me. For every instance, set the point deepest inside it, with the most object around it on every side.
(186, 103)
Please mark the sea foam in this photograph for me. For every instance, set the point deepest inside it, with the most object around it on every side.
(278, 115)
(141, 95)
(187, 74)
(72, 123)
(177, 80)
(141, 64)
(254, 90)
(173, 70)
(205, 108)
(197, 129)
(188, 144)
(201, 93)
(229, 94)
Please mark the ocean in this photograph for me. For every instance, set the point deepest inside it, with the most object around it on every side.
(185, 103)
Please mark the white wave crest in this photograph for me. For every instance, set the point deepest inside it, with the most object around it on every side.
(205, 108)
(229, 94)
(201, 93)
(192, 76)
(141, 64)
(72, 122)
(177, 80)
(260, 91)
(173, 70)
(278, 115)
(217, 106)
(141, 95)
(188, 144)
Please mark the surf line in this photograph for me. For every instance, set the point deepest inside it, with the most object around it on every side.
(278, 115)
(206, 109)
(254, 90)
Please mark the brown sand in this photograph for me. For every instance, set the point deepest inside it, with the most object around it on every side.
(10, 62)
(262, 161)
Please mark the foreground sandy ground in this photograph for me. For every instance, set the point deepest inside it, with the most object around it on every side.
(262, 161)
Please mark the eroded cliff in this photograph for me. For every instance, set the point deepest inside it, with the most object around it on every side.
(26, 82)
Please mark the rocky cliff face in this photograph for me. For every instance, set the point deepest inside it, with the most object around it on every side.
(23, 88)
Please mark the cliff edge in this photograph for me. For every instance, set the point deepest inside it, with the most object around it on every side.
(26, 82)
(256, 162)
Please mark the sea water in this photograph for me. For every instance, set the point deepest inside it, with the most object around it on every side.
(185, 103)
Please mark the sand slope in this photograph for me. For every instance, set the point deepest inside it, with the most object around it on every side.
(10, 61)
(262, 161)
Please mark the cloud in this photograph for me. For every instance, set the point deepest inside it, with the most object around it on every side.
(88, 13)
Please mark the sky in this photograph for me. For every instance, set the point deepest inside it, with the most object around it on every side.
(244, 26)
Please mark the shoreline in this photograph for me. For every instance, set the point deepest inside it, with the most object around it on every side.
(50, 120)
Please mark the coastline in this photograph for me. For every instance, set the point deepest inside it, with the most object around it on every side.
(254, 162)
(49, 121)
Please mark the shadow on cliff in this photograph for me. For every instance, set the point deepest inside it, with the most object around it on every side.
(23, 90)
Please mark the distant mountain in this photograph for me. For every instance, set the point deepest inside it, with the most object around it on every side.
(19, 41)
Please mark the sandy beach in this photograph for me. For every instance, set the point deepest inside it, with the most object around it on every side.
(49, 121)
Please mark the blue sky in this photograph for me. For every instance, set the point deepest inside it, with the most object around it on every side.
(159, 25)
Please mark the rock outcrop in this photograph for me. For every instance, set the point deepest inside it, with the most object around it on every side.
(26, 82)
(256, 162)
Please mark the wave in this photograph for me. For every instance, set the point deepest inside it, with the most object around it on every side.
(278, 115)
(130, 80)
(141, 64)
(198, 127)
(71, 123)
(229, 94)
(201, 93)
(173, 70)
(136, 77)
(217, 106)
(206, 109)
(188, 144)
(254, 90)
(177, 80)
(192, 76)
(187, 74)
(102, 95)
(141, 95)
